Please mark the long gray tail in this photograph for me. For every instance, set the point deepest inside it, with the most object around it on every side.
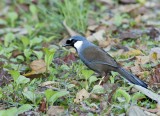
(131, 78)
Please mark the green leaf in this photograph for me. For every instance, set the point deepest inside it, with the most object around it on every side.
(22, 80)
(9, 112)
(138, 96)
(3, 22)
(118, 19)
(25, 41)
(70, 86)
(92, 79)
(49, 56)
(1, 94)
(98, 89)
(3, 113)
(33, 9)
(8, 38)
(20, 57)
(49, 93)
(35, 41)
(65, 67)
(122, 93)
(141, 1)
(49, 39)
(27, 53)
(14, 74)
(24, 108)
(39, 54)
(52, 96)
(30, 95)
(58, 95)
(114, 74)
(12, 17)
(112, 78)
(87, 73)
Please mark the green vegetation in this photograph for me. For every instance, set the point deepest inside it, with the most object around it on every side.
(32, 31)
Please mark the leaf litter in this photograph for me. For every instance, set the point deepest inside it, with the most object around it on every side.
(126, 21)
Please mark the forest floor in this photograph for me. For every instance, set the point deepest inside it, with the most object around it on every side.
(40, 77)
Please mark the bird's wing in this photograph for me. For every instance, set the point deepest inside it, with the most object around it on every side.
(94, 54)
(104, 63)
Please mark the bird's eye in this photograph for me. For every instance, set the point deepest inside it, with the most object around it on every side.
(68, 41)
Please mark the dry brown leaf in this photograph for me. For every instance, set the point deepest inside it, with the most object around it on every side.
(99, 36)
(155, 34)
(94, 96)
(128, 35)
(38, 67)
(142, 59)
(110, 2)
(149, 113)
(142, 75)
(92, 27)
(128, 8)
(117, 53)
(82, 94)
(136, 69)
(139, 11)
(133, 52)
(156, 110)
(15, 53)
(69, 58)
(47, 83)
(43, 105)
(156, 77)
(55, 111)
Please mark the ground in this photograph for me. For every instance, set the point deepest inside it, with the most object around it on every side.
(40, 77)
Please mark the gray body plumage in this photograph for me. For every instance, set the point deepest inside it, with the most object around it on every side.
(101, 62)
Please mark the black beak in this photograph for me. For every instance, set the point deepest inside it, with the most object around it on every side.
(65, 45)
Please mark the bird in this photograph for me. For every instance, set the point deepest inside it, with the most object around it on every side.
(98, 60)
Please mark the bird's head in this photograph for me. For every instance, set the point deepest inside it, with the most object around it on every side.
(75, 41)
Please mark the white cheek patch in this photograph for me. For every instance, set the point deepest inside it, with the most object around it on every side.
(78, 44)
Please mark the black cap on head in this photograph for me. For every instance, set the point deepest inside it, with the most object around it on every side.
(74, 39)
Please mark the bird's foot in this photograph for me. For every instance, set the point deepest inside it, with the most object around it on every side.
(104, 79)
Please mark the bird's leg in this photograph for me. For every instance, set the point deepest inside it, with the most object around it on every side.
(105, 78)
(100, 82)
